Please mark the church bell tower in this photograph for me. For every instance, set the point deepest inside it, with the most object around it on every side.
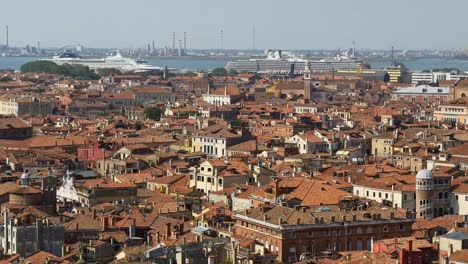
(307, 82)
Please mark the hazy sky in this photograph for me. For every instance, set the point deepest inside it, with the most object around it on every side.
(285, 24)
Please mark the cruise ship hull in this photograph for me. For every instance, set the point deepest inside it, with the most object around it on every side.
(96, 64)
(290, 66)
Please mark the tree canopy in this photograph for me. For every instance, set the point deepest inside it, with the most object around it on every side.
(109, 71)
(76, 71)
(6, 79)
(219, 72)
(153, 113)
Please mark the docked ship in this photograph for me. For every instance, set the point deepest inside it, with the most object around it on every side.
(277, 61)
(116, 61)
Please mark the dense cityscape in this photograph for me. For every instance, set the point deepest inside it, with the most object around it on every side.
(163, 153)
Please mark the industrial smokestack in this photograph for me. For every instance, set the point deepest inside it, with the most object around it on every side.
(173, 42)
(185, 41)
(179, 52)
(222, 39)
(253, 39)
(7, 36)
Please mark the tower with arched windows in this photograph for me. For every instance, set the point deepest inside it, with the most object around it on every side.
(307, 81)
(424, 194)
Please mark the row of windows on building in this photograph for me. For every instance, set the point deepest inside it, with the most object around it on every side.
(208, 179)
(456, 110)
(405, 196)
(212, 150)
(324, 232)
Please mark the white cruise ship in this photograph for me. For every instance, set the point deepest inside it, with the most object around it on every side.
(114, 61)
(282, 62)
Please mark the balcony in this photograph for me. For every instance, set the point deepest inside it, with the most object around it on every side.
(441, 201)
(424, 187)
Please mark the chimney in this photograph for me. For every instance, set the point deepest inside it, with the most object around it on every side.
(354, 218)
(105, 223)
(168, 230)
(265, 217)
(409, 246)
(276, 182)
(280, 221)
(93, 213)
(298, 221)
(343, 218)
(392, 215)
(181, 228)
(333, 219)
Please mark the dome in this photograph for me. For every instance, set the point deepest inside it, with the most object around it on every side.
(424, 175)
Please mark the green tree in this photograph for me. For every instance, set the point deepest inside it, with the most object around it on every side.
(238, 123)
(153, 113)
(190, 73)
(40, 66)
(227, 261)
(109, 71)
(233, 72)
(76, 71)
(219, 72)
(6, 79)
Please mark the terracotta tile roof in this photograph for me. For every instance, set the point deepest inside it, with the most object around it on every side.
(42, 256)
(460, 185)
(26, 190)
(13, 122)
(83, 223)
(8, 187)
(137, 218)
(134, 177)
(150, 89)
(460, 256)
(312, 192)
(104, 184)
(228, 89)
